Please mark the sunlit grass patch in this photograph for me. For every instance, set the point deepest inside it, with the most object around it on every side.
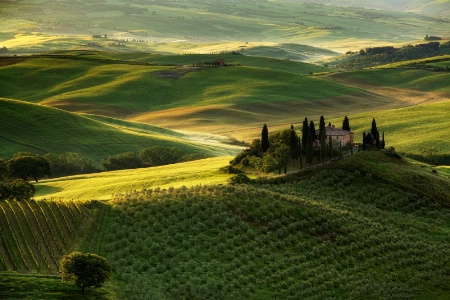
(104, 185)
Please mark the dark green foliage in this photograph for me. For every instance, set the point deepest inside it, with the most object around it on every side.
(374, 129)
(364, 147)
(312, 131)
(127, 160)
(385, 55)
(69, 164)
(280, 136)
(293, 144)
(253, 150)
(346, 124)
(230, 169)
(309, 150)
(84, 270)
(17, 189)
(383, 143)
(300, 152)
(265, 139)
(158, 156)
(26, 166)
(3, 169)
(322, 138)
(391, 152)
(305, 133)
(280, 152)
(239, 179)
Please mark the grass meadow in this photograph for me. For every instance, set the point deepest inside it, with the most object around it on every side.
(40, 129)
(103, 186)
(412, 129)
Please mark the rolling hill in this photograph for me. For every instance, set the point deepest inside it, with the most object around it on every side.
(209, 26)
(40, 129)
(369, 225)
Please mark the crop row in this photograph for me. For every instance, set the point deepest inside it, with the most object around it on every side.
(35, 234)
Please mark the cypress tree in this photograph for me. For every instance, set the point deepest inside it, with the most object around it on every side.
(374, 129)
(305, 132)
(321, 126)
(382, 142)
(309, 150)
(322, 137)
(346, 124)
(312, 131)
(265, 139)
(293, 144)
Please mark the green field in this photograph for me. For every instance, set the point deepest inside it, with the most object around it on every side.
(40, 129)
(168, 27)
(104, 186)
(410, 130)
(368, 226)
(106, 77)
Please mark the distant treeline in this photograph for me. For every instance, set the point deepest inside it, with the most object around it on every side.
(149, 157)
(26, 166)
(375, 56)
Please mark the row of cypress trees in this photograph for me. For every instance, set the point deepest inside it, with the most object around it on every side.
(299, 146)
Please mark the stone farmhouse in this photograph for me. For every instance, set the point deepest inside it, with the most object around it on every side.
(338, 135)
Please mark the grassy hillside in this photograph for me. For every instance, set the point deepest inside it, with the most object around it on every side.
(412, 79)
(354, 230)
(412, 130)
(368, 226)
(105, 185)
(40, 129)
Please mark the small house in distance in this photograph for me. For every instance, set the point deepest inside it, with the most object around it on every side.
(338, 135)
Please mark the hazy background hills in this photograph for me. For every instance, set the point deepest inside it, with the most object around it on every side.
(202, 26)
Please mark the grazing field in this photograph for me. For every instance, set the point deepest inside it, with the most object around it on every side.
(103, 186)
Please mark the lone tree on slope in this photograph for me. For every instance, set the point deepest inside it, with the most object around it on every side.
(84, 270)
(25, 166)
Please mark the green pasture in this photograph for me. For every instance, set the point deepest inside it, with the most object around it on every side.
(102, 186)
(414, 79)
(40, 129)
(123, 89)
